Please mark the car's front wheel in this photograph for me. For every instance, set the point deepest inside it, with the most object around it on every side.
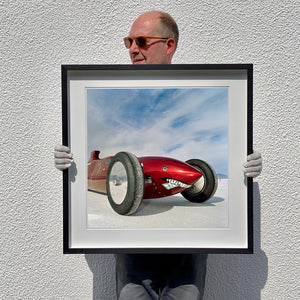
(125, 183)
(206, 186)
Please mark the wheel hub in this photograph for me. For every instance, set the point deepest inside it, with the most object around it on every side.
(118, 182)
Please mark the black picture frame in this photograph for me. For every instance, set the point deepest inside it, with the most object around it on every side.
(80, 238)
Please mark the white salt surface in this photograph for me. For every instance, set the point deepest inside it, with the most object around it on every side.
(169, 212)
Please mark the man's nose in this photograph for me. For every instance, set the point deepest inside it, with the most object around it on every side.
(134, 48)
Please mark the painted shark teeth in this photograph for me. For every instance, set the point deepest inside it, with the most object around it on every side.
(173, 183)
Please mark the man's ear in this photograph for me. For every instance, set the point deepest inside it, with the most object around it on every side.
(170, 46)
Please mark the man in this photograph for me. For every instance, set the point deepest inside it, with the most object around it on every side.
(160, 48)
(153, 39)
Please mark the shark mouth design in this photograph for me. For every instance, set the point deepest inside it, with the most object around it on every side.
(173, 183)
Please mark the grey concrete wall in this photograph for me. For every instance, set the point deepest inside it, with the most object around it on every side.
(36, 37)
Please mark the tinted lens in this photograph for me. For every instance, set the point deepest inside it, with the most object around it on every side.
(141, 41)
(128, 42)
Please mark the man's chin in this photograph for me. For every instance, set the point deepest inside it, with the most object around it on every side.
(139, 62)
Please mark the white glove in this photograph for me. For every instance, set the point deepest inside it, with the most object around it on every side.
(253, 166)
(62, 157)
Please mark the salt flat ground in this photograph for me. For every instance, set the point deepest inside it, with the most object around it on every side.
(169, 212)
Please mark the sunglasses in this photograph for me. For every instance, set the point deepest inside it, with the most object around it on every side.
(141, 41)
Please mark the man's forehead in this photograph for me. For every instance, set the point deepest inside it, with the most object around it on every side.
(145, 25)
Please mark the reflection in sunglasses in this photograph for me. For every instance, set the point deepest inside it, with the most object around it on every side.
(141, 41)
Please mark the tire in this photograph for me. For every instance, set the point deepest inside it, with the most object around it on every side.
(125, 183)
(206, 187)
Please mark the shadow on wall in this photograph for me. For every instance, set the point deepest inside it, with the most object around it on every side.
(104, 280)
(241, 276)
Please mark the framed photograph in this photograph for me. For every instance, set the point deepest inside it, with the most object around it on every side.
(158, 154)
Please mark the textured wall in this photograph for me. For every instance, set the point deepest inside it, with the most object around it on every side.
(38, 36)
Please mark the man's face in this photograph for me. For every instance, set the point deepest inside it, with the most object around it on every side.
(157, 51)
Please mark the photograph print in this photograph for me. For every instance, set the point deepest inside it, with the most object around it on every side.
(157, 157)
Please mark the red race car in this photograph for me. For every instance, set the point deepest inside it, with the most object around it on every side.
(127, 180)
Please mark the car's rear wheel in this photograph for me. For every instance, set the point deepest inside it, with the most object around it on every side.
(206, 186)
(125, 183)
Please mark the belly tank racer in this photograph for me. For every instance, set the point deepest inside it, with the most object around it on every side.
(127, 179)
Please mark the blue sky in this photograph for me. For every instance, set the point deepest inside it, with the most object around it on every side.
(182, 123)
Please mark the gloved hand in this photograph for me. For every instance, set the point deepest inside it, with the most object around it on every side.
(62, 157)
(253, 166)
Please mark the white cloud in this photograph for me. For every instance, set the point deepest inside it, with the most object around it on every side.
(184, 124)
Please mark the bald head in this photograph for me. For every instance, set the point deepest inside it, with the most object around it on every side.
(166, 25)
(157, 51)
